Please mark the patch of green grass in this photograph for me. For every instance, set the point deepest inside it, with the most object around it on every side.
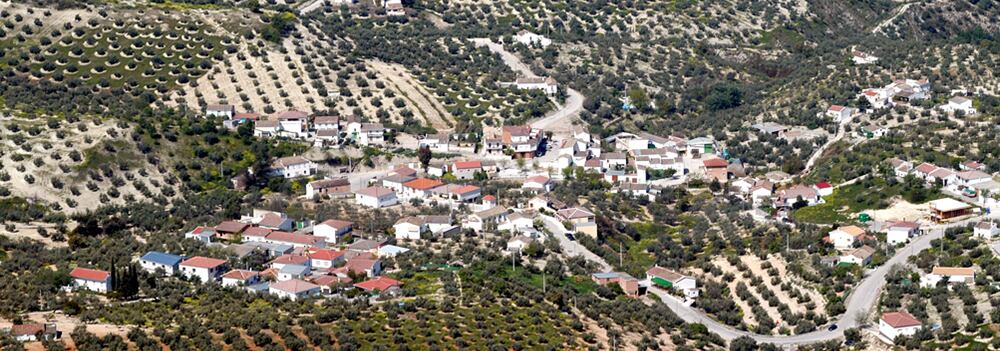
(424, 283)
(847, 201)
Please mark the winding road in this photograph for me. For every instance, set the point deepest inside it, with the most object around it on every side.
(558, 121)
(859, 302)
(841, 132)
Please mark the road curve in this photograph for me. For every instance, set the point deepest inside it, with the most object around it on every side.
(859, 301)
(559, 120)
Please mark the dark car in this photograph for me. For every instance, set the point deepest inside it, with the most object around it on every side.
(832, 327)
(570, 237)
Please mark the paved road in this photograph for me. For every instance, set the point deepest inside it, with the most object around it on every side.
(571, 248)
(558, 121)
(860, 301)
(311, 6)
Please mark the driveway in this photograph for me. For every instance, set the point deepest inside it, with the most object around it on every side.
(558, 121)
(569, 247)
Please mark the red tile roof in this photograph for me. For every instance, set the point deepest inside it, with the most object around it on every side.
(327, 280)
(466, 189)
(26, 329)
(900, 319)
(360, 265)
(715, 162)
(380, 284)
(823, 185)
(240, 274)
(423, 184)
(324, 254)
(203, 262)
(90, 274)
(836, 108)
(489, 198)
(468, 165)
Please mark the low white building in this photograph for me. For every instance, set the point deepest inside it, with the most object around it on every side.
(376, 197)
(292, 167)
(862, 58)
(954, 275)
(959, 103)
(545, 84)
(294, 124)
(900, 232)
(893, 324)
(240, 277)
(532, 39)
(203, 269)
(668, 279)
(985, 230)
(224, 111)
(409, 228)
(332, 230)
(294, 289)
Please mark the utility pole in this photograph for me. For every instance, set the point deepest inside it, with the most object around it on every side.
(621, 256)
(544, 291)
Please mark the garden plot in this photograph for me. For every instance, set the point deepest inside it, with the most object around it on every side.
(76, 165)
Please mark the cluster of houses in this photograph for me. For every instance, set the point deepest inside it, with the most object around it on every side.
(303, 263)
(293, 124)
(970, 179)
(900, 91)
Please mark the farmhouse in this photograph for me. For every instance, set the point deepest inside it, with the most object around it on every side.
(860, 256)
(900, 232)
(628, 284)
(91, 279)
(959, 103)
(838, 113)
(379, 285)
(581, 220)
(893, 324)
(985, 230)
(537, 183)
(670, 280)
(954, 275)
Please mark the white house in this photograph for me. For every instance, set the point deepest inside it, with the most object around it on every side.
(862, 58)
(240, 277)
(788, 197)
(153, 261)
(532, 39)
(91, 279)
(985, 230)
(877, 98)
(538, 183)
(203, 268)
(293, 289)
(410, 228)
(326, 123)
(292, 167)
(376, 197)
(893, 324)
(545, 84)
(294, 124)
(224, 111)
(332, 230)
(668, 279)
(900, 232)
(483, 219)
(436, 142)
(959, 103)
(323, 258)
(844, 237)
(954, 275)
(823, 188)
(368, 134)
(971, 177)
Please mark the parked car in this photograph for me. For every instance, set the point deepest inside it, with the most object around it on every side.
(570, 236)
(832, 327)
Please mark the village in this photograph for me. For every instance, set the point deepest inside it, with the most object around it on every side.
(787, 226)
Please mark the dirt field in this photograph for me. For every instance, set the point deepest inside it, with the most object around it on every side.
(41, 166)
(901, 210)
